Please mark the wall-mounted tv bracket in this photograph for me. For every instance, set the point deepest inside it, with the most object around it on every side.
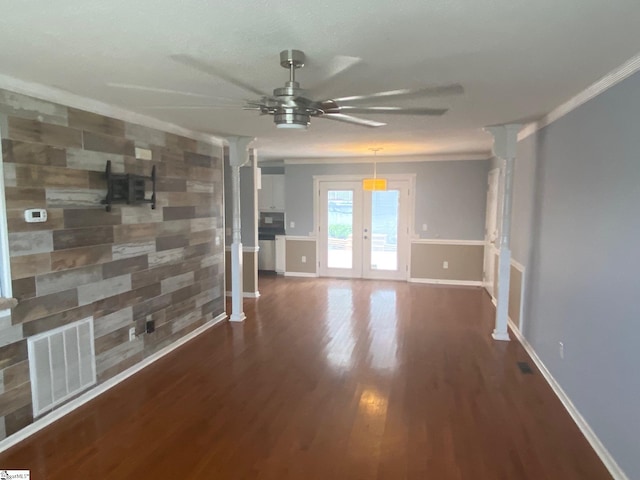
(128, 188)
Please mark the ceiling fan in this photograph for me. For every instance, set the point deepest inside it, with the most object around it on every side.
(292, 108)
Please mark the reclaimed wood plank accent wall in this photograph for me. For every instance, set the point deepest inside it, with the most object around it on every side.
(125, 267)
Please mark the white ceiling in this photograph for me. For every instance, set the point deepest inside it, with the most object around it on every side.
(516, 59)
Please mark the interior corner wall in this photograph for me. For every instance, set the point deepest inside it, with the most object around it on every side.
(125, 267)
(450, 195)
(582, 277)
(524, 180)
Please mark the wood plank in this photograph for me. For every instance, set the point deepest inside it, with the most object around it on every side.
(93, 292)
(15, 398)
(30, 243)
(94, 161)
(86, 217)
(112, 304)
(168, 184)
(124, 266)
(134, 231)
(108, 144)
(178, 213)
(24, 106)
(179, 143)
(82, 237)
(171, 241)
(16, 374)
(34, 131)
(23, 288)
(13, 353)
(73, 198)
(30, 265)
(67, 279)
(56, 320)
(193, 159)
(33, 153)
(133, 249)
(23, 198)
(95, 123)
(45, 305)
(108, 323)
(144, 135)
(18, 419)
(49, 176)
(79, 257)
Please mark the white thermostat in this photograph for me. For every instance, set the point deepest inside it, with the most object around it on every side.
(35, 215)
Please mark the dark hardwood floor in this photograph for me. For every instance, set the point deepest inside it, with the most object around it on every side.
(327, 379)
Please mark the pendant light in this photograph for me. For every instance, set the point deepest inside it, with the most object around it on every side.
(375, 183)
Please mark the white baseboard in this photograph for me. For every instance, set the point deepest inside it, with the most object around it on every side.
(246, 294)
(300, 274)
(67, 408)
(614, 469)
(435, 281)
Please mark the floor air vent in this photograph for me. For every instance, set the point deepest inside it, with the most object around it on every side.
(525, 367)
(61, 364)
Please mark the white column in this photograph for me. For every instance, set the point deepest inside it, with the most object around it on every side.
(238, 156)
(505, 139)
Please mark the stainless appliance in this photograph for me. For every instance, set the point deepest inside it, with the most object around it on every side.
(270, 224)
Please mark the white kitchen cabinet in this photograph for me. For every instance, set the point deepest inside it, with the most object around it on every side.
(271, 195)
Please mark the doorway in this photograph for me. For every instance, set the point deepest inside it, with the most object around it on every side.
(363, 234)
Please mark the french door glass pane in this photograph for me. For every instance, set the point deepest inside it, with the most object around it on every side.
(384, 229)
(340, 229)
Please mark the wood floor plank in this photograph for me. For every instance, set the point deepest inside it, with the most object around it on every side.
(333, 379)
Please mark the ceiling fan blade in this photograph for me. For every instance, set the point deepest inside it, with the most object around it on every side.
(340, 117)
(394, 110)
(209, 69)
(128, 86)
(195, 107)
(407, 93)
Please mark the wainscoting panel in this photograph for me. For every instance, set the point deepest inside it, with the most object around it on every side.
(463, 262)
(295, 250)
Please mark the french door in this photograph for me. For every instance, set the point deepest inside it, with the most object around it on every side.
(363, 234)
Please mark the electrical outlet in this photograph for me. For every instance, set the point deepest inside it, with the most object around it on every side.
(424, 227)
(304, 259)
(445, 264)
(292, 224)
(150, 326)
(132, 334)
(561, 350)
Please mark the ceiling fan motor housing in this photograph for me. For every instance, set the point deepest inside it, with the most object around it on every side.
(290, 118)
(292, 58)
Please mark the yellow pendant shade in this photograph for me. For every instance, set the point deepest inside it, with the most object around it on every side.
(371, 184)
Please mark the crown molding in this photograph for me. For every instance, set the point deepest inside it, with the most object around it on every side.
(609, 80)
(68, 99)
(446, 157)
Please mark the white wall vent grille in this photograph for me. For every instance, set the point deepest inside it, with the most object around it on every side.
(62, 363)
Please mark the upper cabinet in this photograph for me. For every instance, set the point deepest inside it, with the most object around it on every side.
(271, 195)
